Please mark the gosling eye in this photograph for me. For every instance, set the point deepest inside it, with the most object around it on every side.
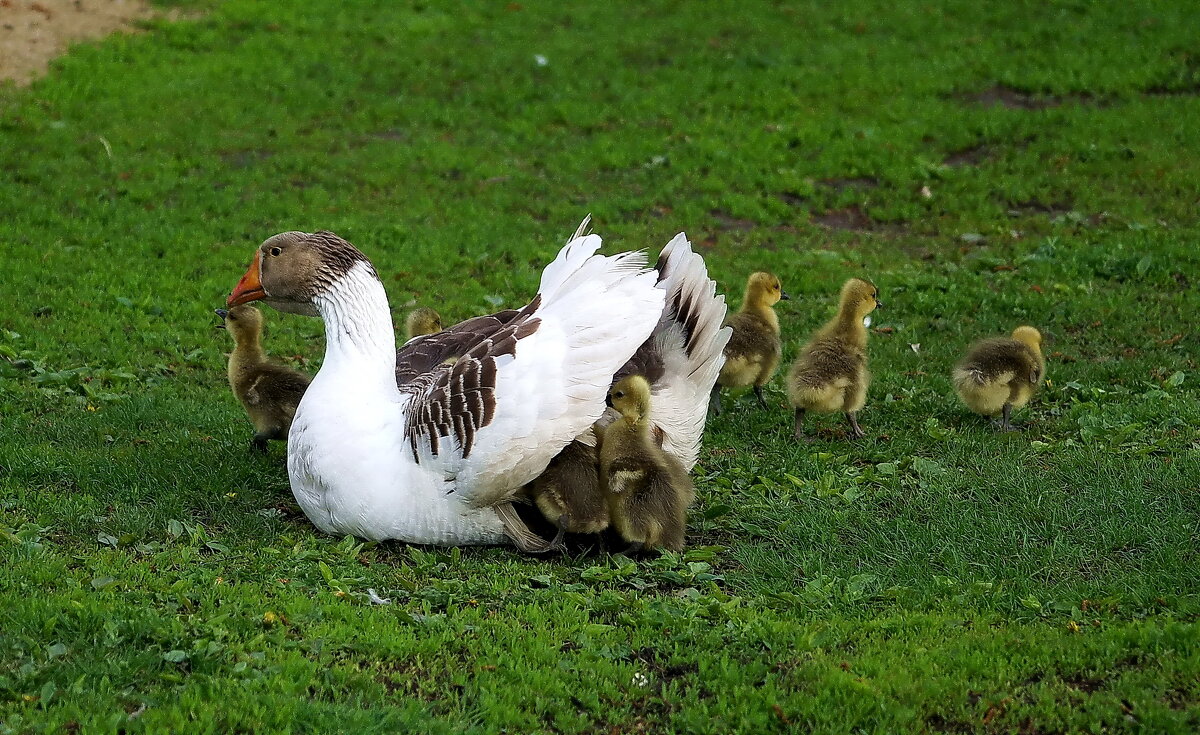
(276, 250)
(619, 394)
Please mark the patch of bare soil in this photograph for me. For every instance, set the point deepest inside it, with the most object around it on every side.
(850, 182)
(1169, 91)
(1037, 206)
(727, 221)
(33, 32)
(854, 219)
(972, 156)
(1010, 98)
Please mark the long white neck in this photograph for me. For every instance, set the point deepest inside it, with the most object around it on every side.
(358, 327)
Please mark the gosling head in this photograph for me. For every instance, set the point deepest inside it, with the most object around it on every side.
(423, 321)
(765, 289)
(243, 322)
(860, 298)
(1029, 336)
(631, 397)
(291, 269)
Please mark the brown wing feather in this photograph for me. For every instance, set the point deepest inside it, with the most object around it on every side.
(459, 399)
(423, 354)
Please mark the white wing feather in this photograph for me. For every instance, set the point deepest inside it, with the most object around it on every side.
(594, 312)
(692, 361)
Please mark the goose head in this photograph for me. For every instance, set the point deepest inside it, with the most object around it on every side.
(291, 269)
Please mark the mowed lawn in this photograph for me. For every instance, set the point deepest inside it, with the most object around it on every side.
(986, 164)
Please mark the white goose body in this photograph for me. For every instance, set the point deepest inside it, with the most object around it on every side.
(347, 462)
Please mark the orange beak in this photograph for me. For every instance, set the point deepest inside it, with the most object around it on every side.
(250, 287)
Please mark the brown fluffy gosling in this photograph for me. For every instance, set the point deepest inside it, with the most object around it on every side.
(831, 374)
(422, 320)
(1001, 374)
(268, 392)
(568, 493)
(753, 353)
(648, 490)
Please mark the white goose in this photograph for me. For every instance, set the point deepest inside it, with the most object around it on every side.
(388, 445)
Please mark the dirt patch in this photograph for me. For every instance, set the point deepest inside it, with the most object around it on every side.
(852, 219)
(727, 221)
(33, 32)
(1086, 684)
(1037, 206)
(972, 156)
(850, 182)
(940, 723)
(1168, 91)
(1010, 98)
(244, 158)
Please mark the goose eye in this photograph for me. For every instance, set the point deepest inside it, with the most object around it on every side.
(276, 251)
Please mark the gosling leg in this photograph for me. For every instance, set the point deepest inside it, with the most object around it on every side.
(557, 543)
(633, 549)
(799, 430)
(258, 443)
(1006, 422)
(762, 400)
(855, 430)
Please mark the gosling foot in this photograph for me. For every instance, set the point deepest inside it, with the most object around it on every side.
(856, 431)
(1005, 423)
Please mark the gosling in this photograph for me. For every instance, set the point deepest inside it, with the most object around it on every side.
(754, 349)
(648, 491)
(568, 493)
(268, 392)
(1001, 374)
(422, 320)
(831, 373)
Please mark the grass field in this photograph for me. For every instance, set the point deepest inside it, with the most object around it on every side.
(986, 165)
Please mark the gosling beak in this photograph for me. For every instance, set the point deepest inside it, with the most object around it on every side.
(783, 296)
(250, 287)
(221, 314)
(608, 400)
(878, 304)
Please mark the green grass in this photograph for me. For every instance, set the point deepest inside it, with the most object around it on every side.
(935, 577)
